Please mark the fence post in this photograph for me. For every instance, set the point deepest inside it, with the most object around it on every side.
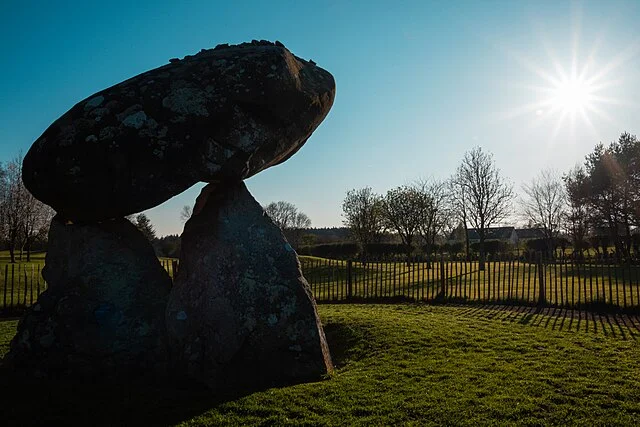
(26, 285)
(174, 267)
(13, 282)
(6, 285)
(31, 285)
(45, 285)
(349, 280)
(443, 278)
(542, 298)
(38, 270)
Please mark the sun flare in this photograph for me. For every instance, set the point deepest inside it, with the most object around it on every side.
(569, 87)
(571, 96)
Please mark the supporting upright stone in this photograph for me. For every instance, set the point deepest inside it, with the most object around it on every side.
(103, 312)
(240, 313)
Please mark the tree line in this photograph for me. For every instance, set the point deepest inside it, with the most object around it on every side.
(24, 220)
(603, 198)
(476, 195)
(593, 205)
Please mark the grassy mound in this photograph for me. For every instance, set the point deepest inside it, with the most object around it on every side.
(398, 364)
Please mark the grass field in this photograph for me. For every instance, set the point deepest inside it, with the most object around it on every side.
(398, 365)
(570, 285)
(21, 282)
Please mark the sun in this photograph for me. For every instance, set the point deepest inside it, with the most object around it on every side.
(572, 95)
(567, 87)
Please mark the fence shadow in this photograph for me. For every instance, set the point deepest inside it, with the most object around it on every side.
(623, 326)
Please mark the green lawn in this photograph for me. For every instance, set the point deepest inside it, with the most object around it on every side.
(565, 285)
(37, 257)
(20, 282)
(399, 365)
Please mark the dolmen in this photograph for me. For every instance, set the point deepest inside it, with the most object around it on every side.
(239, 313)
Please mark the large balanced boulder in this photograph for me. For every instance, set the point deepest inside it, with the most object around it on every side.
(221, 115)
(103, 311)
(240, 313)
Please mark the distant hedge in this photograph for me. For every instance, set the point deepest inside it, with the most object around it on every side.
(330, 250)
(351, 250)
(493, 246)
(540, 245)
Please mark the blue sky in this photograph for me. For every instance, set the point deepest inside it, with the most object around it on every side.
(418, 83)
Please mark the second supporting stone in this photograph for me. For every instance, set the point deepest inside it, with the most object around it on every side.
(240, 313)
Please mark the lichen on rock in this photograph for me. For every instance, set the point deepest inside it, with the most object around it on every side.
(249, 316)
(220, 94)
(103, 311)
(240, 311)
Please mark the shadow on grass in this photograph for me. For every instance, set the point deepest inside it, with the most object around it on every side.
(620, 325)
(347, 341)
(29, 401)
(142, 401)
(600, 318)
(11, 312)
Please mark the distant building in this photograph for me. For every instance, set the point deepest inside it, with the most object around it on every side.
(524, 234)
(511, 235)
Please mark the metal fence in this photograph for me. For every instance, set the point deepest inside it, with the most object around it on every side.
(587, 284)
(21, 285)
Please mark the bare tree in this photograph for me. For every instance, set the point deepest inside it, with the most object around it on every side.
(282, 213)
(299, 224)
(3, 199)
(186, 213)
(435, 211)
(487, 196)
(35, 222)
(291, 221)
(364, 216)
(14, 205)
(23, 218)
(403, 209)
(545, 204)
(458, 204)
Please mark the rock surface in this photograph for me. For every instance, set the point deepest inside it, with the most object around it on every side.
(221, 115)
(240, 313)
(103, 312)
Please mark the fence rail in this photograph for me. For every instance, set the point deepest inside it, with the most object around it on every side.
(21, 284)
(589, 284)
(593, 284)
